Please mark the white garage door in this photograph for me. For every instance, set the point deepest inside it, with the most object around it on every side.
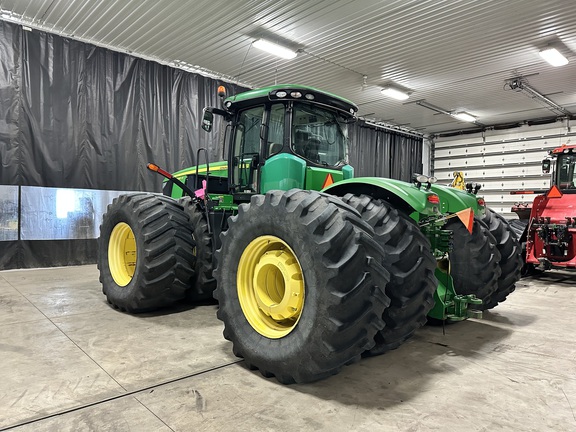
(501, 161)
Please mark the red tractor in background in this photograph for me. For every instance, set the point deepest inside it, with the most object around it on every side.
(547, 228)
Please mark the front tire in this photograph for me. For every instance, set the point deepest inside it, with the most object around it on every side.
(474, 260)
(300, 285)
(409, 260)
(145, 252)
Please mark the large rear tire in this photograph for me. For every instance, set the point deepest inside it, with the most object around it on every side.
(145, 252)
(519, 226)
(300, 285)
(203, 282)
(510, 258)
(474, 260)
(409, 260)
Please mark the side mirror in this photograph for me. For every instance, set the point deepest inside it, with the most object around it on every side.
(546, 166)
(207, 120)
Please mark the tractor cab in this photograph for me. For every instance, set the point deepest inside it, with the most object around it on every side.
(284, 137)
(565, 173)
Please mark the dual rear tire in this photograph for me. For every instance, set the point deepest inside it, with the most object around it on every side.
(487, 262)
(411, 264)
(300, 285)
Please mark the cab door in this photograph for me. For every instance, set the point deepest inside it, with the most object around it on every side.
(247, 149)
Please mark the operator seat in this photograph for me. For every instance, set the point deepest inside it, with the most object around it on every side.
(306, 145)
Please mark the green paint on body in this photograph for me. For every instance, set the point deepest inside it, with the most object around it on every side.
(282, 172)
(453, 200)
(406, 195)
(450, 306)
(264, 91)
(316, 178)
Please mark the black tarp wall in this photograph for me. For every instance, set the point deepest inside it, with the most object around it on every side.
(73, 115)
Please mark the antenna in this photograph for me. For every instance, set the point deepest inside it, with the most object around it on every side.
(242, 65)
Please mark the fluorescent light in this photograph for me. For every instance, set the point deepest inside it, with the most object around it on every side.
(464, 116)
(274, 48)
(553, 56)
(394, 93)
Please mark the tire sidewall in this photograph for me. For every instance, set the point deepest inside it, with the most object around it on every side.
(121, 211)
(294, 234)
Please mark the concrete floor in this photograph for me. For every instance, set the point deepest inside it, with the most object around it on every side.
(69, 362)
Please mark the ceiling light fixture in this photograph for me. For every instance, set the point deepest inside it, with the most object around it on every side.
(274, 48)
(553, 56)
(464, 116)
(394, 93)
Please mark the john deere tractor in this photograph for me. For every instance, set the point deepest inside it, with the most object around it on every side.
(311, 267)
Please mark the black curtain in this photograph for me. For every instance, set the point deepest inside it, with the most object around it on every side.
(77, 116)
(81, 116)
(377, 152)
(73, 115)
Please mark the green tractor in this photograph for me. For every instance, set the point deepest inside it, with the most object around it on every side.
(312, 267)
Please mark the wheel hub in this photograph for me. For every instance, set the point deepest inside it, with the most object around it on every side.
(270, 286)
(122, 254)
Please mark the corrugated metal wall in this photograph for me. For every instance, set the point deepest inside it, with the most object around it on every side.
(501, 161)
(453, 54)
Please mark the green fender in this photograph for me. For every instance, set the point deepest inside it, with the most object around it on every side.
(453, 200)
(404, 196)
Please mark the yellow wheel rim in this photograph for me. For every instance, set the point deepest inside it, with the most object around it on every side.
(122, 254)
(270, 286)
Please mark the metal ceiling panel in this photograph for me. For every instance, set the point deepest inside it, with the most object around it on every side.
(452, 54)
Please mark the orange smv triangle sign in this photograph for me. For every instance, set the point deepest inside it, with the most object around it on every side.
(554, 192)
(466, 216)
(328, 181)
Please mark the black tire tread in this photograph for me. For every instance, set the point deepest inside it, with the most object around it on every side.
(409, 260)
(164, 242)
(510, 257)
(352, 299)
(203, 282)
(474, 260)
(518, 226)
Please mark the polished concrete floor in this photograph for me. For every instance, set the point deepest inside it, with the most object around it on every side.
(69, 362)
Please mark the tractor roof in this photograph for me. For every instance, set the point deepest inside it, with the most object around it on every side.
(564, 149)
(283, 92)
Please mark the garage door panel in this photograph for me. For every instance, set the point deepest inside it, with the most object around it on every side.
(501, 161)
(477, 174)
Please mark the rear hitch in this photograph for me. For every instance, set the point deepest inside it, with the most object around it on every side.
(449, 306)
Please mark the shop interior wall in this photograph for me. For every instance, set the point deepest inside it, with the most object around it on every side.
(502, 161)
(78, 124)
